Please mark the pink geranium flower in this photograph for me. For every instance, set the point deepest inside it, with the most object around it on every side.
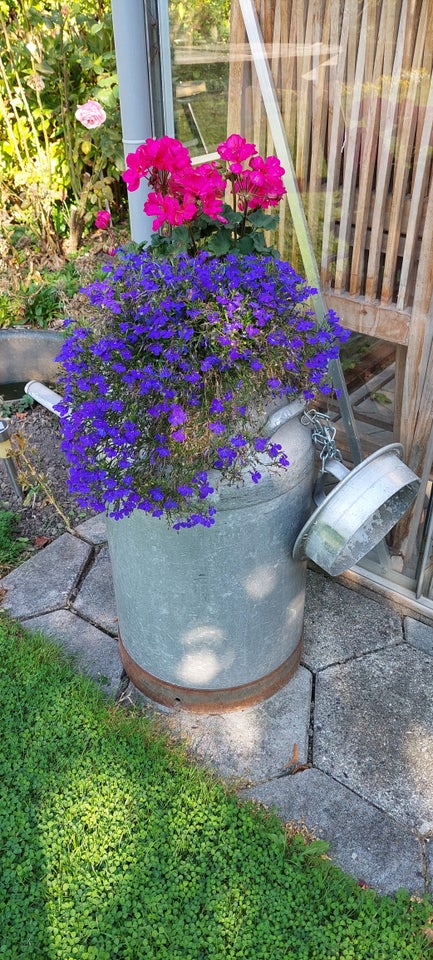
(204, 185)
(260, 185)
(169, 210)
(91, 114)
(235, 150)
(155, 159)
(182, 193)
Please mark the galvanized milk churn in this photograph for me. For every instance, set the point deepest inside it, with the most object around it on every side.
(213, 618)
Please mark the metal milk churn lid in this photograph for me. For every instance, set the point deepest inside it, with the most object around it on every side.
(360, 509)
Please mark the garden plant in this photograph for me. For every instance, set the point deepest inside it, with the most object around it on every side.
(55, 57)
(113, 846)
(164, 390)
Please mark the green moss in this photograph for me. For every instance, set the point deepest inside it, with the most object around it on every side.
(114, 846)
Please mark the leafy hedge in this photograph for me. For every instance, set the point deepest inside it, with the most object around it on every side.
(114, 847)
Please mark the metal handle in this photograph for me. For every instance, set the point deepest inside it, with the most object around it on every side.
(337, 469)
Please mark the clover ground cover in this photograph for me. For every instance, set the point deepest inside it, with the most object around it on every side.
(115, 847)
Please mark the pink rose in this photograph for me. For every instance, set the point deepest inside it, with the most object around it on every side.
(90, 114)
(102, 219)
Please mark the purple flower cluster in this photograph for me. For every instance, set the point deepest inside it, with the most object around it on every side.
(159, 388)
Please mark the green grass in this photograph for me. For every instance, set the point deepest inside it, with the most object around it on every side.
(113, 845)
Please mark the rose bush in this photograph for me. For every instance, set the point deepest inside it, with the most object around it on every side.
(163, 392)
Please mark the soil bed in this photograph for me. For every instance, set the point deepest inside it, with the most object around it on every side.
(47, 507)
(43, 474)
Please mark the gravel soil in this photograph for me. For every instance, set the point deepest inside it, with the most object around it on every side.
(47, 507)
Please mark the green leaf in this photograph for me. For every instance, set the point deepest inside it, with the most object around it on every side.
(265, 221)
(246, 244)
(180, 238)
(220, 243)
(259, 243)
(234, 218)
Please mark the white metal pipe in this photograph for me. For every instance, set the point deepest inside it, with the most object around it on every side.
(43, 395)
(132, 59)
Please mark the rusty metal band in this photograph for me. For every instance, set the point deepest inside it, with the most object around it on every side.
(207, 701)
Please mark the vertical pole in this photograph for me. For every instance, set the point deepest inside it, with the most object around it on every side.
(165, 66)
(132, 58)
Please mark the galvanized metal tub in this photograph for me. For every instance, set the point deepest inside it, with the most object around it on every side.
(29, 354)
(213, 618)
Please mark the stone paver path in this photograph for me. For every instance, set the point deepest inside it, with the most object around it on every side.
(358, 715)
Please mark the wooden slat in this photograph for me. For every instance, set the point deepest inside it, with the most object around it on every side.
(423, 167)
(283, 11)
(370, 317)
(321, 106)
(417, 407)
(237, 72)
(424, 80)
(386, 156)
(369, 149)
(315, 37)
(304, 21)
(403, 156)
(351, 151)
(419, 455)
(288, 74)
(257, 106)
(335, 145)
(400, 370)
(421, 326)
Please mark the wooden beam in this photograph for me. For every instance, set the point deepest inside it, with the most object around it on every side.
(371, 317)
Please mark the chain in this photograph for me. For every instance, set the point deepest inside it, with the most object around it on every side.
(323, 436)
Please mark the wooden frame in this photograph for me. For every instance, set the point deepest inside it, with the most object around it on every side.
(355, 88)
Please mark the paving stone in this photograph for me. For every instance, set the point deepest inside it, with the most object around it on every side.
(94, 529)
(131, 697)
(373, 731)
(364, 842)
(340, 623)
(46, 581)
(256, 742)
(429, 856)
(95, 652)
(95, 599)
(419, 635)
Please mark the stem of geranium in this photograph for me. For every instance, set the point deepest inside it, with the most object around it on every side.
(193, 243)
(232, 179)
(244, 219)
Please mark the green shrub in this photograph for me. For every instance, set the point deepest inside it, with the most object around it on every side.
(42, 304)
(115, 847)
(54, 174)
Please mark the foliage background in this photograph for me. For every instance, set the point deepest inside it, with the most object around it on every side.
(52, 170)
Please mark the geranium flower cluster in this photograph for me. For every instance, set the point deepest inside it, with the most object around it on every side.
(162, 390)
(182, 195)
